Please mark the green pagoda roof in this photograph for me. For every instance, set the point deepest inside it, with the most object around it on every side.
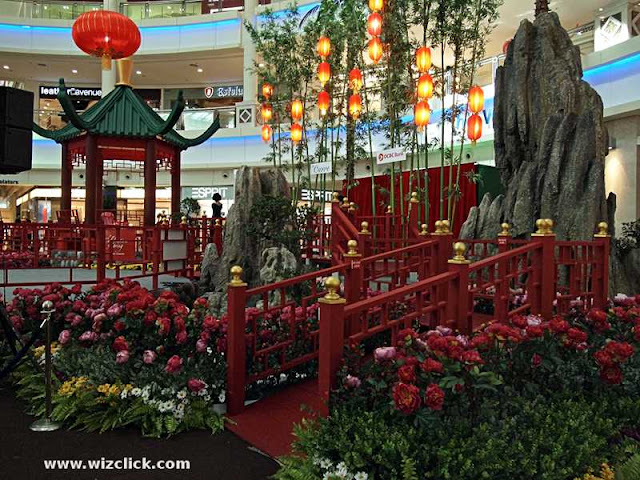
(124, 114)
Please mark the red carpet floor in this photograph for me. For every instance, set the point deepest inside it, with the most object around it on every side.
(268, 424)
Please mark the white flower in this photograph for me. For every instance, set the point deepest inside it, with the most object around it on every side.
(207, 398)
(327, 476)
(325, 463)
(166, 392)
(222, 397)
(361, 476)
(283, 377)
(209, 350)
(341, 469)
(123, 394)
(136, 392)
(181, 394)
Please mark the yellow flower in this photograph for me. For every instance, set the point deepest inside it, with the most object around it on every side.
(104, 388)
(38, 351)
(114, 390)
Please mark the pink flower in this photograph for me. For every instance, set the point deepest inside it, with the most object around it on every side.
(195, 385)
(181, 337)
(122, 357)
(115, 310)
(174, 364)
(88, 337)
(384, 353)
(536, 360)
(201, 346)
(64, 337)
(149, 356)
(446, 331)
(77, 320)
(352, 382)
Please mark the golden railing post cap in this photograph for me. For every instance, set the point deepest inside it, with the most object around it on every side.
(352, 206)
(183, 219)
(364, 228)
(445, 226)
(334, 198)
(332, 285)
(345, 202)
(218, 224)
(438, 226)
(352, 245)
(459, 248)
(414, 197)
(603, 229)
(236, 276)
(424, 229)
(505, 230)
(389, 209)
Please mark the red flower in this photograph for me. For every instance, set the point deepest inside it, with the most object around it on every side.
(434, 397)
(534, 331)
(481, 341)
(611, 375)
(150, 318)
(577, 335)
(407, 373)
(558, 325)
(174, 364)
(519, 321)
(406, 398)
(195, 385)
(620, 350)
(604, 358)
(619, 312)
(431, 365)
(597, 316)
(120, 344)
(472, 357)
(119, 326)
(636, 333)
(536, 360)
(181, 337)
(164, 325)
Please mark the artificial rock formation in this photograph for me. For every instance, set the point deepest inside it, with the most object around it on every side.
(550, 141)
(239, 248)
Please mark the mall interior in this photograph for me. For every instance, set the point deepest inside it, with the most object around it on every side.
(201, 48)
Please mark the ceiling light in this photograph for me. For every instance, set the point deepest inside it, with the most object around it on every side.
(74, 71)
(138, 72)
(6, 67)
(600, 9)
(200, 70)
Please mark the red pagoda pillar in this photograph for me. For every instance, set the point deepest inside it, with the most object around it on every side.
(66, 182)
(150, 183)
(90, 180)
(99, 173)
(175, 183)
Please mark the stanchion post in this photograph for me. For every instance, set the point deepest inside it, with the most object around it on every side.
(331, 338)
(458, 302)
(236, 343)
(503, 238)
(547, 264)
(601, 279)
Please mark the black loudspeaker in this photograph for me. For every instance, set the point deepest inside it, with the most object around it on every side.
(16, 114)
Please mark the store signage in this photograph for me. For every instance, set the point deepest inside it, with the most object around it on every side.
(391, 155)
(307, 195)
(320, 168)
(205, 193)
(73, 92)
(231, 91)
(8, 182)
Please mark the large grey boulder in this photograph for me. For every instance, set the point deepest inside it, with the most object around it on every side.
(209, 264)
(275, 262)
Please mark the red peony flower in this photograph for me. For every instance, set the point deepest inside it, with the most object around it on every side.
(438, 345)
(164, 325)
(431, 365)
(636, 333)
(434, 397)
(577, 335)
(195, 385)
(558, 325)
(611, 375)
(181, 337)
(174, 364)
(407, 373)
(534, 331)
(481, 341)
(122, 357)
(472, 357)
(519, 321)
(604, 358)
(621, 350)
(150, 318)
(120, 344)
(536, 360)
(597, 315)
(119, 326)
(406, 398)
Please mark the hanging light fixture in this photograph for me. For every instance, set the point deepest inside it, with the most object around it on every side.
(324, 102)
(355, 80)
(296, 110)
(267, 90)
(476, 99)
(266, 112)
(296, 132)
(355, 106)
(421, 114)
(324, 73)
(423, 59)
(375, 49)
(425, 86)
(374, 24)
(376, 5)
(474, 128)
(266, 133)
(323, 47)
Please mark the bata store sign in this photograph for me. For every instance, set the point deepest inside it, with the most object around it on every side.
(205, 193)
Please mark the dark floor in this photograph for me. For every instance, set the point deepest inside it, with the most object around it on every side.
(213, 457)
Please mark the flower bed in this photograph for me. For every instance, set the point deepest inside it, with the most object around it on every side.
(544, 400)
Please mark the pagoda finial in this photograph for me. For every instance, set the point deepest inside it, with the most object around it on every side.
(542, 6)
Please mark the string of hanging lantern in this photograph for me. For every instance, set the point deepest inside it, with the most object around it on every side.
(323, 49)
(297, 111)
(476, 105)
(374, 27)
(266, 112)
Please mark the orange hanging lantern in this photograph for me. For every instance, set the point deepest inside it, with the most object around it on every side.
(323, 47)
(324, 102)
(355, 80)
(375, 49)
(421, 114)
(324, 73)
(376, 5)
(474, 127)
(296, 132)
(423, 59)
(267, 90)
(266, 111)
(296, 110)
(106, 34)
(374, 24)
(266, 133)
(425, 86)
(355, 106)
(476, 99)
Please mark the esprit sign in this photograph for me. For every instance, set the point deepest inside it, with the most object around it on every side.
(205, 193)
(231, 91)
(320, 168)
(391, 155)
(307, 195)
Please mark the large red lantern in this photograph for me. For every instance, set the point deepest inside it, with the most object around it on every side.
(355, 80)
(423, 59)
(296, 132)
(267, 90)
(266, 111)
(296, 110)
(374, 24)
(474, 127)
(106, 34)
(323, 47)
(425, 86)
(355, 106)
(324, 102)
(476, 99)
(375, 49)
(422, 114)
(376, 5)
(324, 73)
(266, 133)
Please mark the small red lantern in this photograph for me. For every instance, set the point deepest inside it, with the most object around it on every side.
(296, 132)
(323, 47)
(476, 99)
(355, 80)
(375, 49)
(423, 59)
(376, 5)
(266, 111)
(425, 86)
(355, 106)
(505, 46)
(422, 114)
(267, 90)
(374, 24)
(266, 133)
(324, 102)
(296, 110)
(474, 127)
(324, 73)
(106, 34)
